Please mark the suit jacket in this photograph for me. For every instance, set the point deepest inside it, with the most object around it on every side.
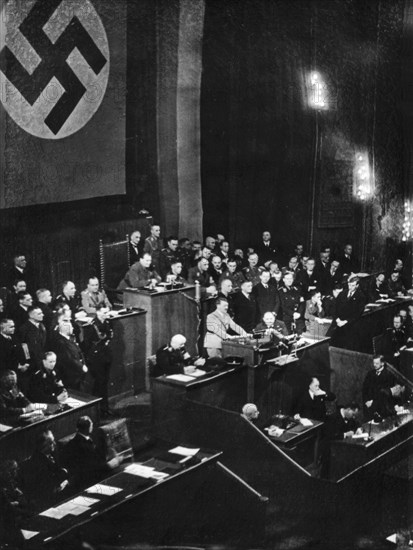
(12, 403)
(45, 387)
(135, 254)
(336, 426)
(217, 329)
(11, 354)
(305, 281)
(374, 291)
(315, 407)
(350, 309)
(85, 461)
(245, 311)
(267, 299)
(266, 253)
(19, 316)
(90, 300)
(42, 476)
(349, 265)
(376, 388)
(47, 315)
(138, 277)
(35, 338)
(69, 365)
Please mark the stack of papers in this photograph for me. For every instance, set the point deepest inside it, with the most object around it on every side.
(5, 428)
(180, 377)
(102, 489)
(184, 451)
(145, 471)
(72, 402)
(197, 373)
(306, 422)
(75, 507)
(360, 436)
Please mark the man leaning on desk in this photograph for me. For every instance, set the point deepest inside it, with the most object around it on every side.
(140, 275)
(174, 359)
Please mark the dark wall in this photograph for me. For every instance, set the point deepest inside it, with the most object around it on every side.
(268, 160)
(61, 239)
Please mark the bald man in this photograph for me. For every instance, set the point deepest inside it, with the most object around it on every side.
(174, 359)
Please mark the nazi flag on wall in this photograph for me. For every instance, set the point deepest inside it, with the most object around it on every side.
(62, 100)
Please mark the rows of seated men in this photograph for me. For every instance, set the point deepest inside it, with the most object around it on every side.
(51, 474)
(30, 329)
(298, 293)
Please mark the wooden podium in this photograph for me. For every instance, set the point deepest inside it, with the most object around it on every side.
(169, 312)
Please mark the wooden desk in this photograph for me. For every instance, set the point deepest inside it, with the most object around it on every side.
(169, 312)
(19, 443)
(273, 386)
(199, 502)
(127, 373)
(386, 438)
(226, 389)
(372, 323)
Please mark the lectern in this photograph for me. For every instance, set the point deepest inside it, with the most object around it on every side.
(169, 312)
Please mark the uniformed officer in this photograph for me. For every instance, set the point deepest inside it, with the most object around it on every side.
(45, 385)
(252, 272)
(168, 255)
(292, 305)
(153, 246)
(97, 347)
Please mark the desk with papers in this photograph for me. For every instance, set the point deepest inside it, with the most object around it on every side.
(17, 441)
(168, 493)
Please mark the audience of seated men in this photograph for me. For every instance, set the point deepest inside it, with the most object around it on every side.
(292, 305)
(45, 384)
(45, 481)
(140, 274)
(218, 324)
(85, 460)
(70, 366)
(13, 403)
(312, 402)
(92, 297)
(245, 307)
(266, 295)
(12, 356)
(174, 359)
(381, 392)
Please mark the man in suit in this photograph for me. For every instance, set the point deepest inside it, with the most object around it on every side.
(307, 279)
(69, 297)
(20, 315)
(349, 307)
(86, 461)
(343, 424)
(20, 271)
(13, 403)
(45, 480)
(33, 334)
(45, 385)
(395, 285)
(245, 307)
(265, 295)
(266, 251)
(174, 359)
(12, 297)
(70, 365)
(349, 264)
(224, 252)
(140, 275)
(135, 247)
(312, 403)
(218, 323)
(322, 267)
(330, 278)
(12, 356)
(92, 297)
(380, 390)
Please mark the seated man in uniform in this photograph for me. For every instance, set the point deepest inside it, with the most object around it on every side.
(174, 359)
(380, 391)
(12, 402)
(250, 412)
(45, 385)
(140, 275)
(93, 297)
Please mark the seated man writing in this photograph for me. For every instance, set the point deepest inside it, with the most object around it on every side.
(174, 359)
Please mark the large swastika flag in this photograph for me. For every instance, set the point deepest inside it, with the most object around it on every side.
(62, 100)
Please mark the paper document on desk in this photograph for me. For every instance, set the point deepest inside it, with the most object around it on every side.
(54, 513)
(72, 402)
(29, 534)
(180, 377)
(372, 305)
(5, 428)
(144, 471)
(83, 501)
(197, 373)
(184, 451)
(385, 301)
(101, 489)
(306, 422)
(360, 436)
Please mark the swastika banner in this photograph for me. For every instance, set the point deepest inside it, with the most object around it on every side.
(62, 100)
